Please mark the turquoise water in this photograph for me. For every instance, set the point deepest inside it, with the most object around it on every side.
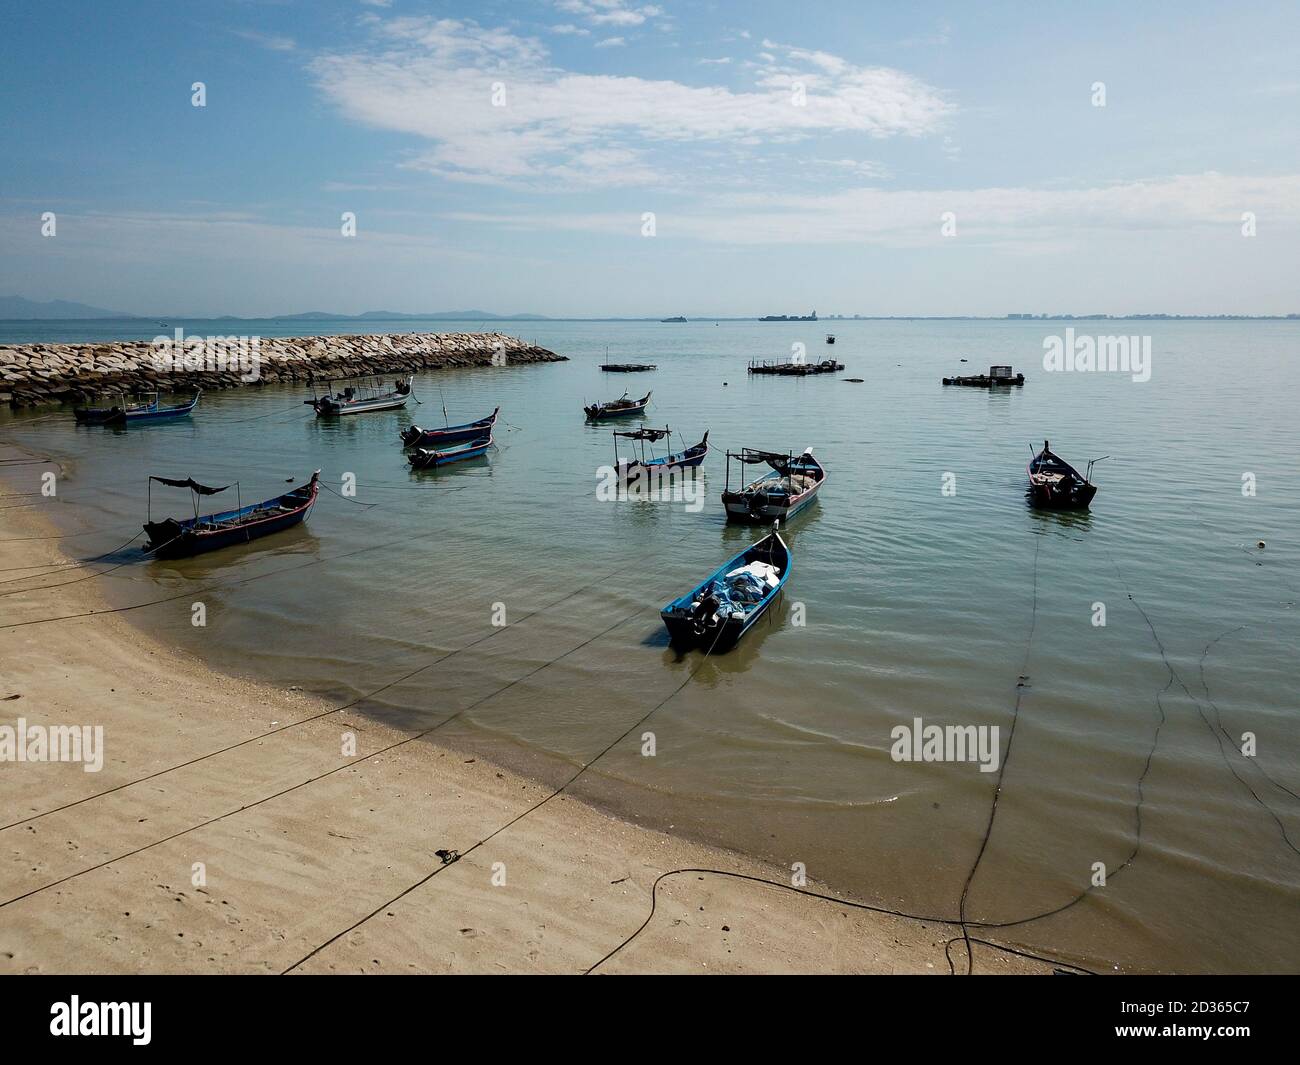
(915, 603)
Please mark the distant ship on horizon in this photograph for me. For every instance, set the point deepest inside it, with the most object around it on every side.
(789, 317)
(678, 319)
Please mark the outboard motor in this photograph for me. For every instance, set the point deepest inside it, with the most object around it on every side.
(705, 614)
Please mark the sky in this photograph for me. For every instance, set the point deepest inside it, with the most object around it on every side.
(596, 158)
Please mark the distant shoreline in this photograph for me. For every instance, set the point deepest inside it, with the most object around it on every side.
(162, 320)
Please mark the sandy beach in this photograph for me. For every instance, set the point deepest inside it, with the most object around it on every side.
(228, 832)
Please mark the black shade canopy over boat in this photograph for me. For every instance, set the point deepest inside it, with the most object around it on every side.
(1053, 482)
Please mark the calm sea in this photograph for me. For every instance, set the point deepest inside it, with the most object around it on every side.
(952, 607)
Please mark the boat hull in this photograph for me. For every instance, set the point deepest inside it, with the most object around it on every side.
(739, 510)
(1077, 497)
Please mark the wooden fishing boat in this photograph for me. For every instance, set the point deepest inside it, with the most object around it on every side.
(181, 537)
(627, 367)
(414, 436)
(362, 398)
(1053, 482)
(618, 408)
(636, 467)
(791, 485)
(146, 409)
(718, 612)
(426, 458)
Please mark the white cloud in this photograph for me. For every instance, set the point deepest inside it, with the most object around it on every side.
(272, 41)
(610, 12)
(611, 42)
(1007, 216)
(433, 78)
(569, 30)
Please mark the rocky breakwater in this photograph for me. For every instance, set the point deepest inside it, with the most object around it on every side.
(31, 374)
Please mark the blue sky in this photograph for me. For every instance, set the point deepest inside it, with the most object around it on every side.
(794, 156)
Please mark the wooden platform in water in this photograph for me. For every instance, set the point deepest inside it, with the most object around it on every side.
(796, 369)
(983, 380)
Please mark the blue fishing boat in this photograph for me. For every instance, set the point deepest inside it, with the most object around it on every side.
(181, 537)
(426, 458)
(636, 467)
(414, 436)
(718, 612)
(145, 409)
(792, 483)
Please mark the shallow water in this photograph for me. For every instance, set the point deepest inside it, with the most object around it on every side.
(916, 603)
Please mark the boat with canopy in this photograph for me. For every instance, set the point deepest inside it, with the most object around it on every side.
(366, 395)
(790, 485)
(181, 537)
(634, 467)
(720, 610)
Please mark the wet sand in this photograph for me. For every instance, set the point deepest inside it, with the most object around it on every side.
(313, 860)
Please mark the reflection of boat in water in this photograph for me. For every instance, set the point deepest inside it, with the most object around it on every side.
(362, 398)
(1053, 482)
(178, 538)
(128, 413)
(792, 484)
(719, 611)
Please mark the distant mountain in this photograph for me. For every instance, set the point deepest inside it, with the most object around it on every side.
(13, 307)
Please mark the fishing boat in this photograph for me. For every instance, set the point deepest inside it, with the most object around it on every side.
(636, 467)
(1053, 482)
(617, 408)
(414, 436)
(145, 409)
(830, 338)
(362, 397)
(426, 458)
(627, 367)
(717, 613)
(792, 483)
(181, 537)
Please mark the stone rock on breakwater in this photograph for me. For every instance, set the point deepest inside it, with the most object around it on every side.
(31, 374)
